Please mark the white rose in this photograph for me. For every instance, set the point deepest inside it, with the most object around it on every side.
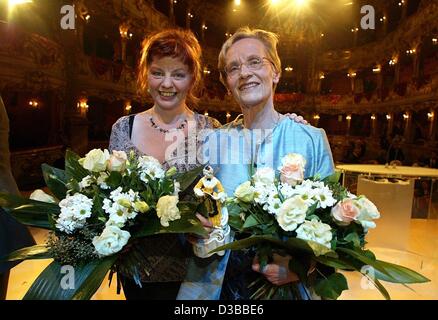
(111, 241)
(40, 195)
(117, 161)
(292, 169)
(292, 213)
(95, 160)
(318, 232)
(167, 210)
(368, 212)
(245, 192)
(264, 175)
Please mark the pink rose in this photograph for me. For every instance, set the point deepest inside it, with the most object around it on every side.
(291, 174)
(117, 161)
(345, 212)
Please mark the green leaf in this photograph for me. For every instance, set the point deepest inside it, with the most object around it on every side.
(56, 180)
(188, 223)
(92, 283)
(397, 273)
(39, 251)
(354, 238)
(386, 271)
(234, 209)
(185, 179)
(250, 221)
(73, 169)
(334, 178)
(27, 211)
(382, 289)
(331, 287)
(293, 245)
(336, 263)
(114, 180)
(309, 246)
(87, 280)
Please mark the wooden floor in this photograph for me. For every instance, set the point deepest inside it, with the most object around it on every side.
(421, 255)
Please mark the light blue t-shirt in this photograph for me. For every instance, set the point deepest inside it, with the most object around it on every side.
(230, 151)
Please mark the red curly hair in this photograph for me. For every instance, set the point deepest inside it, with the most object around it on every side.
(175, 43)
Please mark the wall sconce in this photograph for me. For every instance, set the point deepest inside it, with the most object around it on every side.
(354, 30)
(206, 113)
(402, 2)
(430, 115)
(83, 106)
(373, 117)
(377, 69)
(435, 41)
(128, 107)
(204, 27)
(411, 51)
(351, 74)
(405, 116)
(316, 117)
(321, 76)
(382, 19)
(33, 103)
(348, 117)
(288, 69)
(206, 71)
(124, 32)
(388, 117)
(190, 15)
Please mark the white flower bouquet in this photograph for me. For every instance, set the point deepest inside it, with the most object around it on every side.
(317, 222)
(100, 204)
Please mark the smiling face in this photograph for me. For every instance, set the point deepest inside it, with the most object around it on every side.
(250, 87)
(169, 82)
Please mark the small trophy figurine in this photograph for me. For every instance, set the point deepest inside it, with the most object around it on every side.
(211, 191)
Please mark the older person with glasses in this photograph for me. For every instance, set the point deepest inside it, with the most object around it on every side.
(250, 69)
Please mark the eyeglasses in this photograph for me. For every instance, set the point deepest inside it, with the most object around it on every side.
(253, 64)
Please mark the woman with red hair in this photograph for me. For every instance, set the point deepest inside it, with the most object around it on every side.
(170, 72)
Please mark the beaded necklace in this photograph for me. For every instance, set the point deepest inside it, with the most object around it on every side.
(155, 126)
